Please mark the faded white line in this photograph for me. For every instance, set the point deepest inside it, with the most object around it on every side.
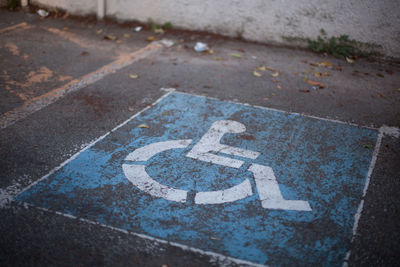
(216, 257)
(37, 103)
(277, 110)
(361, 205)
(12, 191)
(17, 27)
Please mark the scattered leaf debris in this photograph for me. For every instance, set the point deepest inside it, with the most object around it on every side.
(133, 76)
(304, 90)
(369, 146)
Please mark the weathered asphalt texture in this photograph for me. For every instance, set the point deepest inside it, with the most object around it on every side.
(34, 145)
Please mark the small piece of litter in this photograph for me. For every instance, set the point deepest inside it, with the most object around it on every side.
(133, 76)
(257, 74)
(276, 74)
(236, 55)
(131, 109)
(127, 35)
(213, 238)
(143, 126)
(200, 47)
(42, 13)
(138, 28)
(167, 43)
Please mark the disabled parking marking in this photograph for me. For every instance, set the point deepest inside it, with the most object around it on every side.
(319, 165)
(267, 186)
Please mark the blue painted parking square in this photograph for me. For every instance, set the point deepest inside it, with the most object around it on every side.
(251, 183)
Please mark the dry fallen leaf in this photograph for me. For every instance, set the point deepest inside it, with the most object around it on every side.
(133, 76)
(304, 90)
(159, 31)
(110, 37)
(379, 95)
(84, 53)
(266, 98)
(398, 89)
(276, 74)
(236, 55)
(257, 74)
(99, 31)
(325, 64)
(264, 68)
(127, 35)
(349, 60)
(130, 109)
(143, 126)
(150, 38)
(323, 74)
(320, 85)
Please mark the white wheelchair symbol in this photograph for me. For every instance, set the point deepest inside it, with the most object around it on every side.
(266, 183)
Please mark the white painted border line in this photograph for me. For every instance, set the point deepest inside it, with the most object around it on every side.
(357, 216)
(37, 103)
(92, 144)
(220, 258)
(277, 110)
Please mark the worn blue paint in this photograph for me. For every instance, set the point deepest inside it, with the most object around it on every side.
(319, 161)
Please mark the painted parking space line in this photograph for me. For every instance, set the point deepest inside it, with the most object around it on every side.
(37, 103)
(318, 164)
(18, 27)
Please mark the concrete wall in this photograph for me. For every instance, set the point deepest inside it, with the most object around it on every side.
(263, 20)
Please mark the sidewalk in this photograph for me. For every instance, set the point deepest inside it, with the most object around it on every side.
(67, 81)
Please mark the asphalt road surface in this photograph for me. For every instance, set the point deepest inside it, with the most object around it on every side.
(117, 151)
